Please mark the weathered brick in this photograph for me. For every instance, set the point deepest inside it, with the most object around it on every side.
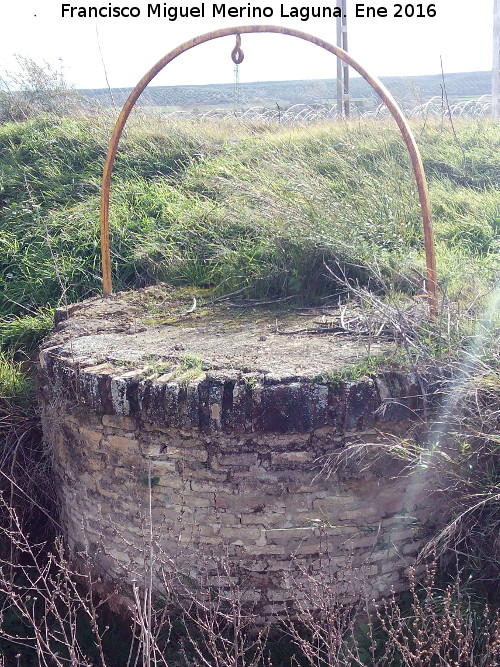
(122, 443)
(400, 535)
(413, 547)
(108, 493)
(246, 535)
(363, 514)
(264, 519)
(90, 436)
(118, 422)
(391, 566)
(284, 458)
(228, 518)
(245, 459)
(172, 481)
(162, 467)
(265, 550)
(152, 450)
(187, 454)
(306, 548)
(285, 534)
(332, 505)
(93, 463)
(360, 542)
(205, 539)
(210, 487)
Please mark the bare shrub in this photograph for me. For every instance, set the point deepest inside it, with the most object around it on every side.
(46, 595)
(321, 622)
(434, 627)
(440, 627)
(61, 620)
(35, 88)
(221, 626)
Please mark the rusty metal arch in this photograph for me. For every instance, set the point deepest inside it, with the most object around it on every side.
(416, 160)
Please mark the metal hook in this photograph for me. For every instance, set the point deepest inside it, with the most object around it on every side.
(237, 54)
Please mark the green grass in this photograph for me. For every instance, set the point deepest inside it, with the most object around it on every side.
(25, 332)
(210, 204)
(14, 385)
(353, 373)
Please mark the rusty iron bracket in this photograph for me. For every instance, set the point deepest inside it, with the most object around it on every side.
(389, 101)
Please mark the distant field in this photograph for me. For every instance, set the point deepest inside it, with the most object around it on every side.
(409, 91)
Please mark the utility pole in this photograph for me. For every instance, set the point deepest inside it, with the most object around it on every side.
(495, 83)
(343, 102)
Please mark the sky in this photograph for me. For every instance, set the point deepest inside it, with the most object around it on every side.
(88, 49)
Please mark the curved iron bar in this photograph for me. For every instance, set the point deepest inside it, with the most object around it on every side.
(416, 160)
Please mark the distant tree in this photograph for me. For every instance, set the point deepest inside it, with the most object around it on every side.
(35, 88)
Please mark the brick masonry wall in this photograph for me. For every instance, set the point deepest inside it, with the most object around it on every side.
(279, 479)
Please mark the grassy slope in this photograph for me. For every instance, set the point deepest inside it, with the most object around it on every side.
(226, 205)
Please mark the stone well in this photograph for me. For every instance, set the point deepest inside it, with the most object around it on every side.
(232, 434)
